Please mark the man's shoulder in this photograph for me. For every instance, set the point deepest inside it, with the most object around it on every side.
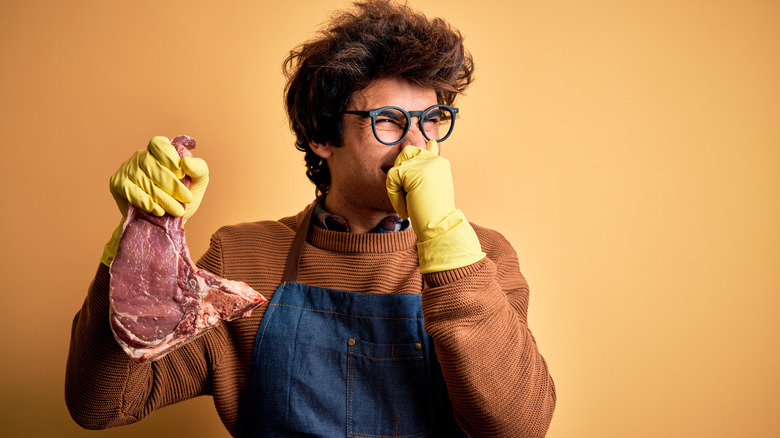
(282, 228)
(257, 227)
(491, 239)
(487, 233)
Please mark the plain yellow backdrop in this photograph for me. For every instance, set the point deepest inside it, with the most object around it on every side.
(629, 150)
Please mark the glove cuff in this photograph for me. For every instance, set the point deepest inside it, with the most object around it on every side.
(109, 251)
(457, 247)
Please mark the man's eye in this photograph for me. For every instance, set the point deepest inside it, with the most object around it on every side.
(433, 117)
(388, 122)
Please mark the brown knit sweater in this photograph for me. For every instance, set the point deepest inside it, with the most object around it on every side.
(497, 380)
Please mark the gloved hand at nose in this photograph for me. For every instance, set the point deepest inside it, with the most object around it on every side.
(420, 188)
(150, 180)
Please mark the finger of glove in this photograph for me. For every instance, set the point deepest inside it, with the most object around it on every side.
(161, 197)
(427, 184)
(122, 177)
(413, 165)
(161, 176)
(408, 153)
(198, 171)
(396, 192)
(131, 184)
(195, 167)
(404, 177)
(156, 202)
(166, 154)
(432, 146)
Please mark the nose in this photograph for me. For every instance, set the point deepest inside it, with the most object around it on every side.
(414, 136)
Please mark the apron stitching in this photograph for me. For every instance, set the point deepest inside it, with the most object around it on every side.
(353, 292)
(395, 391)
(255, 359)
(350, 382)
(395, 358)
(414, 435)
(269, 320)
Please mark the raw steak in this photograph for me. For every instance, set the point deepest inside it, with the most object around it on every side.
(159, 300)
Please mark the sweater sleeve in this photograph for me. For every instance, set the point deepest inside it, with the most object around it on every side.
(104, 388)
(497, 379)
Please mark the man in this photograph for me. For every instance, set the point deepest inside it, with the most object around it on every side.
(378, 325)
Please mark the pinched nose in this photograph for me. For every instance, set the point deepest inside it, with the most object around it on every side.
(415, 137)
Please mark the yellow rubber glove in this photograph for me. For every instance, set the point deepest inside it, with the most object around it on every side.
(420, 187)
(150, 180)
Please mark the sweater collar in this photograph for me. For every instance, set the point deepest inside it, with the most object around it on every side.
(362, 243)
(338, 241)
(324, 219)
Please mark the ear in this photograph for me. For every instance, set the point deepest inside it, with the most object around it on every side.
(324, 150)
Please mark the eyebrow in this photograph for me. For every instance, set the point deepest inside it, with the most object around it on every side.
(435, 113)
(390, 113)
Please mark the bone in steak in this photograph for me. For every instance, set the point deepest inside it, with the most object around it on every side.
(159, 299)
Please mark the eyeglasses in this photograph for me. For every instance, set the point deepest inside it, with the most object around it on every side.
(391, 124)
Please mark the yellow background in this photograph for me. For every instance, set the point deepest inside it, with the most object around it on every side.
(630, 151)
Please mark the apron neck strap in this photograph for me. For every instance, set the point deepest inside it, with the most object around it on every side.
(291, 266)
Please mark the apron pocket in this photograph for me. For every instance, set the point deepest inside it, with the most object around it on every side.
(385, 390)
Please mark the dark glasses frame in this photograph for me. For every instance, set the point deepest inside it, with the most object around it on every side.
(373, 114)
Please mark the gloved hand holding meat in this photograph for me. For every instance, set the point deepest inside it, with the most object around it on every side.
(159, 299)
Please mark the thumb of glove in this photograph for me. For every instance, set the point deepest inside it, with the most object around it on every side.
(198, 171)
(195, 167)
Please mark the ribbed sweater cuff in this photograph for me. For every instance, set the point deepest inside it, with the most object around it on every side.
(436, 279)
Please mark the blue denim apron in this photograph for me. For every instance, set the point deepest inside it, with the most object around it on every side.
(331, 363)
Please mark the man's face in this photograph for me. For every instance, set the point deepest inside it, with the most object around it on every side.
(359, 167)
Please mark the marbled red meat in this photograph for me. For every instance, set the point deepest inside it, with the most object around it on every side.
(159, 299)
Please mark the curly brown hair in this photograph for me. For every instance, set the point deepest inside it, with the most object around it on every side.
(378, 39)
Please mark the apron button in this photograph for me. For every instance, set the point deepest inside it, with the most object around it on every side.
(418, 346)
(351, 342)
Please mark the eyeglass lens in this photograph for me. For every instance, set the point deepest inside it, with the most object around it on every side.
(390, 125)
